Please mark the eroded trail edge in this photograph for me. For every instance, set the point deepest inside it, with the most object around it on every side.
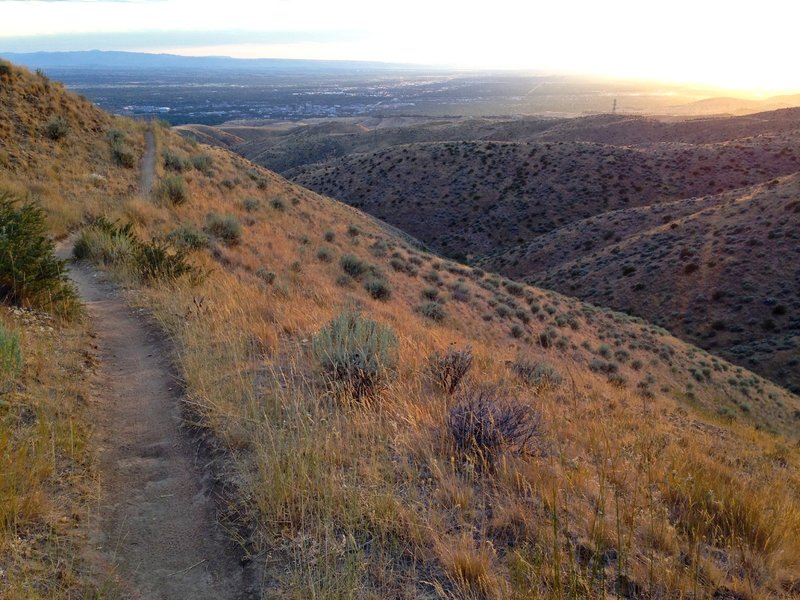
(157, 535)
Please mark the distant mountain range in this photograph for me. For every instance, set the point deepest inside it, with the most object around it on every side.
(99, 59)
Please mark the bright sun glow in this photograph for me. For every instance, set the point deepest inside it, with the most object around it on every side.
(725, 44)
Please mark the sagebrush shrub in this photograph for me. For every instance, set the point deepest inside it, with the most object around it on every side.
(353, 265)
(113, 244)
(173, 189)
(484, 426)
(358, 355)
(378, 288)
(433, 311)
(188, 236)
(226, 228)
(536, 374)
(448, 369)
(30, 273)
(56, 128)
(203, 163)
(175, 162)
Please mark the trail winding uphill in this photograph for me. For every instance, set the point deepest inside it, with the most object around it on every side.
(148, 172)
(157, 531)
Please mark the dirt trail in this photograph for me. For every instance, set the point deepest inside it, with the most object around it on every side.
(148, 168)
(157, 532)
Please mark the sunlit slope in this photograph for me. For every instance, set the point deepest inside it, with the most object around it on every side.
(651, 467)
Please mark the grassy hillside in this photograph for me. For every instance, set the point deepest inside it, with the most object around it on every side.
(584, 453)
(52, 153)
(548, 200)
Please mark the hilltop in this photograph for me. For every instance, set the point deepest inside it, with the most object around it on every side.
(629, 462)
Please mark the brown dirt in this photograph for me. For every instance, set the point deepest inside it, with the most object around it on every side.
(157, 536)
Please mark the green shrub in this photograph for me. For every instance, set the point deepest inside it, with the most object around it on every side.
(105, 242)
(156, 261)
(115, 135)
(173, 189)
(277, 203)
(188, 236)
(109, 243)
(226, 228)
(378, 288)
(353, 231)
(353, 266)
(175, 162)
(203, 163)
(251, 204)
(536, 374)
(30, 273)
(265, 275)
(433, 311)
(56, 128)
(325, 255)
(329, 236)
(10, 353)
(358, 355)
(122, 155)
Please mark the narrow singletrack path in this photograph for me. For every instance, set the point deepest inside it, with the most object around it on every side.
(156, 536)
(148, 166)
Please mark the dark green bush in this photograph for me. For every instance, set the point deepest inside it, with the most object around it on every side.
(226, 228)
(265, 275)
(278, 203)
(113, 244)
(378, 288)
(358, 355)
(122, 155)
(175, 162)
(157, 261)
(56, 128)
(30, 273)
(353, 265)
(188, 236)
(203, 163)
(251, 204)
(536, 374)
(433, 311)
(329, 236)
(325, 255)
(173, 189)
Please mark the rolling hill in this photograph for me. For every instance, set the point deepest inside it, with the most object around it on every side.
(585, 452)
(543, 199)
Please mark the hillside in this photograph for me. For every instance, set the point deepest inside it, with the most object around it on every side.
(530, 197)
(473, 198)
(722, 271)
(585, 453)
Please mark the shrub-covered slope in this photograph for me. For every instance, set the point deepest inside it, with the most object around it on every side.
(584, 452)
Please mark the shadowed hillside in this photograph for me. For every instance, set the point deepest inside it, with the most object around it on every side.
(394, 424)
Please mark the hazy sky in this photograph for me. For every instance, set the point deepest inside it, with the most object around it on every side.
(747, 46)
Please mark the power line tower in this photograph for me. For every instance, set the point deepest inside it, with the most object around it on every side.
(614, 109)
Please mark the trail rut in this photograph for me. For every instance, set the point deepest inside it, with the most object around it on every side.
(148, 167)
(157, 533)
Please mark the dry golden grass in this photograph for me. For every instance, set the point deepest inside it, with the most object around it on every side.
(638, 484)
(46, 482)
(627, 492)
